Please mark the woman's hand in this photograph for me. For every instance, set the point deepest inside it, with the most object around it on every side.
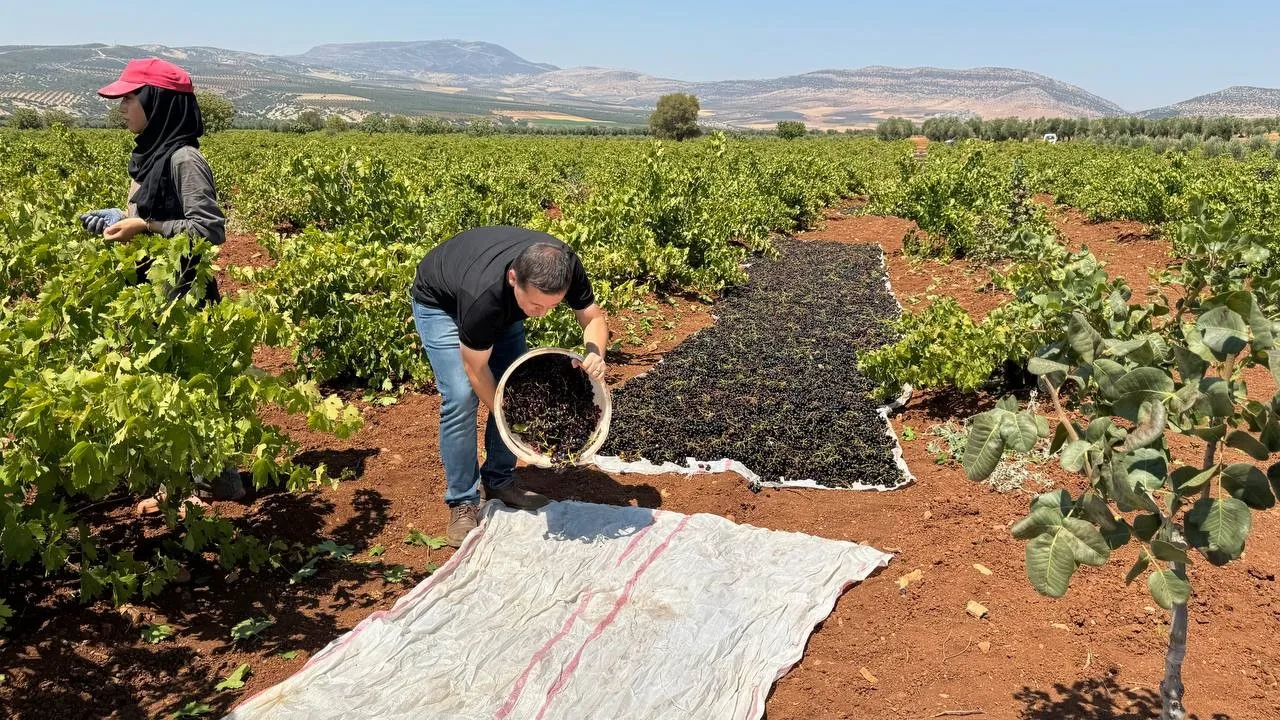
(124, 230)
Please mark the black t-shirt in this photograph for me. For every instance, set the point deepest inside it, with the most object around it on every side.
(466, 276)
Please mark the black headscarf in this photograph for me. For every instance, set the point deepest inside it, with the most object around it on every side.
(173, 121)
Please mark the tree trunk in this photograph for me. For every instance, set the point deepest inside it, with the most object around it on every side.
(1171, 685)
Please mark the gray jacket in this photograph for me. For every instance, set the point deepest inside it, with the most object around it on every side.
(193, 181)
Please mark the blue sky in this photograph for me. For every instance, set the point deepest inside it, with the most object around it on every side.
(1139, 54)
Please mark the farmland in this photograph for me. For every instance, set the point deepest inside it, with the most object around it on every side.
(309, 377)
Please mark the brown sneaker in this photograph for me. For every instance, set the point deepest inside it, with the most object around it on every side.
(512, 496)
(462, 520)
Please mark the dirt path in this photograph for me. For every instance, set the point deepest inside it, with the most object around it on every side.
(1095, 654)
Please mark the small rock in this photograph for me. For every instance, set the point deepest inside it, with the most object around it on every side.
(731, 518)
(913, 576)
(867, 674)
(1150, 610)
(927, 514)
(981, 568)
(1061, 626)
(976, 609)
(985, 647)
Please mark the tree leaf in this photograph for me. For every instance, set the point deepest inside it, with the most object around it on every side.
(1219, 525)
(1167, 589)
(1082, 338)
(1139, 566)
(1243, 441)
(984, 446)
(1059, 500)
(1247, 483)
(1188, 481)
(1040, 521)
(1146, 382)
(1075, 454)
(1050, 563)
(1224, 332)
(1168, 552)
(1191, 367)
(1089, 547)
(1146, 526)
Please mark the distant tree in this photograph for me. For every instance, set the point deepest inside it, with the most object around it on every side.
(26, 119)
(336, 124)
(676, 117)
(432, 126)
(400, 124)
(307, 121)
(790, 129)
(895, 128)
(481, 127)
(57, 117)
(115, 118)
(217, 111)
(372, 123)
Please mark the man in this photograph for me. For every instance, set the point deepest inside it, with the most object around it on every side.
(470, 297)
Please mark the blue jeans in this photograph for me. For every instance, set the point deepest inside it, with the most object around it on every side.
(458, 404)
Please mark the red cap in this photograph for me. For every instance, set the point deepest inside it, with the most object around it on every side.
(149, 71)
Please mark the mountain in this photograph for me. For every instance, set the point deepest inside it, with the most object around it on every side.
(459, 78)
(1238, 100)
(456, 57)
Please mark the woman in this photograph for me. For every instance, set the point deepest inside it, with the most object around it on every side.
(172, 193)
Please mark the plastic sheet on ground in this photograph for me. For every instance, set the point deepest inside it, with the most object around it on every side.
(584, 611)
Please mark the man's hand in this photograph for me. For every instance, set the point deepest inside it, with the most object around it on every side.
(124, 230)
(593, 365)
(98, 221)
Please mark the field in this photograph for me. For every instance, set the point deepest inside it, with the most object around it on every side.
(995, 252)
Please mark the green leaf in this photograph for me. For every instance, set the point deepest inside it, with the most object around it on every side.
(1117, 535)
(1224, 332)
(155, 633)
(1195, 343)
(290, 655)
(1219, 525)
(1075, 455)
(417, 537)
(1168, 552)
(1212, 433)
(246, 629)
(1060, 437)
(1020, 432)
(1146, 382)
(1247, 483)
(1147, 468)
(191, 709)
(1188, 481)
(1273, 474)
(376, 551)
(1191, 367)
(1040, 366)
(1109, 372)
(1146, 526)
(1167, 589)
(1139, 566)
(1082, 338)
(984, 446)
(1059, 500)
(1216, 399)
(17, 541)
(395, 574)
(1243, 441)
(1051, 562)
(1040, 521)
(1008, 403)
(235, 680)
(1245, 305)
(1089, 547)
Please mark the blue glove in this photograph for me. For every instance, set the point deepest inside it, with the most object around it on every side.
(99, 220)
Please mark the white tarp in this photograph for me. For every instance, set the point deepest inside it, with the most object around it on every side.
(584, 611)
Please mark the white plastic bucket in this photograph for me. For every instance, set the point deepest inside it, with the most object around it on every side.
(528, 454)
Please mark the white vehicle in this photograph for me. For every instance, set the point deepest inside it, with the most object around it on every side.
(1050, 138)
